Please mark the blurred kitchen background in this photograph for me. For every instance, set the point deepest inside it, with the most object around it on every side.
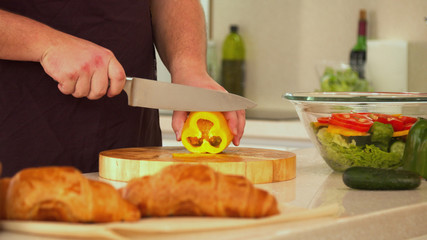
(286, 39)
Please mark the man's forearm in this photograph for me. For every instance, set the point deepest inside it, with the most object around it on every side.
(180, 35)
(23, 39)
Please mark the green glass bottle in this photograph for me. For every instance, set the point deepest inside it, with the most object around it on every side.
(233, 62)
(358, 53)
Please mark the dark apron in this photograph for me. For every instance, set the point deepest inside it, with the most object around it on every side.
(40, 126)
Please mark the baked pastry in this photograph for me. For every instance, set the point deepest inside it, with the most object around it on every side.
(198, 190)
(62, 194)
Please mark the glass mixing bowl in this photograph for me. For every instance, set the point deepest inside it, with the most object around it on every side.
(344, 125)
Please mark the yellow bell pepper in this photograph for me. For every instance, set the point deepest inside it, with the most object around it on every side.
(206, 132)
(400, 133)
(345, 131)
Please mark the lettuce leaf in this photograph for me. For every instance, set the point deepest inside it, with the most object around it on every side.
(341, 155)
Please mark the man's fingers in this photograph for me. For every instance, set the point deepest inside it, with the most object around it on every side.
(82, 87)
(98, 85)
(232, 122)
(117, 77)
(241, 119)
(178, 120)
(236, 123)
(67, 85)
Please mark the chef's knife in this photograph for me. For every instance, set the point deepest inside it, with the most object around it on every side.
(162, 95)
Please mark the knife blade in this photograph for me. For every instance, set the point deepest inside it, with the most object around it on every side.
(171, 96)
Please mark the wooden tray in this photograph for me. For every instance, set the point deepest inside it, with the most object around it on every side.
(258, 165)
(168, 227)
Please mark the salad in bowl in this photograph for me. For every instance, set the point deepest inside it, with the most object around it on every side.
(368, 129)
(362, 139)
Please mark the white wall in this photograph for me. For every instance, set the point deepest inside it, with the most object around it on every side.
(285, 39)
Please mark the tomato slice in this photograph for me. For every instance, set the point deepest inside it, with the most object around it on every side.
(408, 126)
(355, 121)
(323, 119)
(363, 121)
(407, 119)
(395, 121)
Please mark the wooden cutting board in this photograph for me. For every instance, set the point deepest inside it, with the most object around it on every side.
(258, 165)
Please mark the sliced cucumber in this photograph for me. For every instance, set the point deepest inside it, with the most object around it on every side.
(398, 147)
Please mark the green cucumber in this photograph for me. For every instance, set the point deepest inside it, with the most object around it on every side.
(415, 154)
(368, 178)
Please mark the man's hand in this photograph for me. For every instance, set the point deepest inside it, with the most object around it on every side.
(180, 36)
(236, 119)
(83, 69)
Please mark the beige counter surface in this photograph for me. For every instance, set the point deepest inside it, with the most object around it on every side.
(272, 134)
(366, 214)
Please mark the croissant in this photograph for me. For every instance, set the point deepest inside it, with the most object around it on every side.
(62, 194)
(198, 190)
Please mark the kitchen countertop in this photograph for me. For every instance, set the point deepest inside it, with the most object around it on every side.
(366, 215)
(272, 134)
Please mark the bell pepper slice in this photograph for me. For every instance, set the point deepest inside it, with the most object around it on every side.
(345, 131)
(206, 132)
(318, 124)
(401, 133)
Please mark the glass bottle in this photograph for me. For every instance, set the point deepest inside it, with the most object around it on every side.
(358, 53)
(233, 62)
